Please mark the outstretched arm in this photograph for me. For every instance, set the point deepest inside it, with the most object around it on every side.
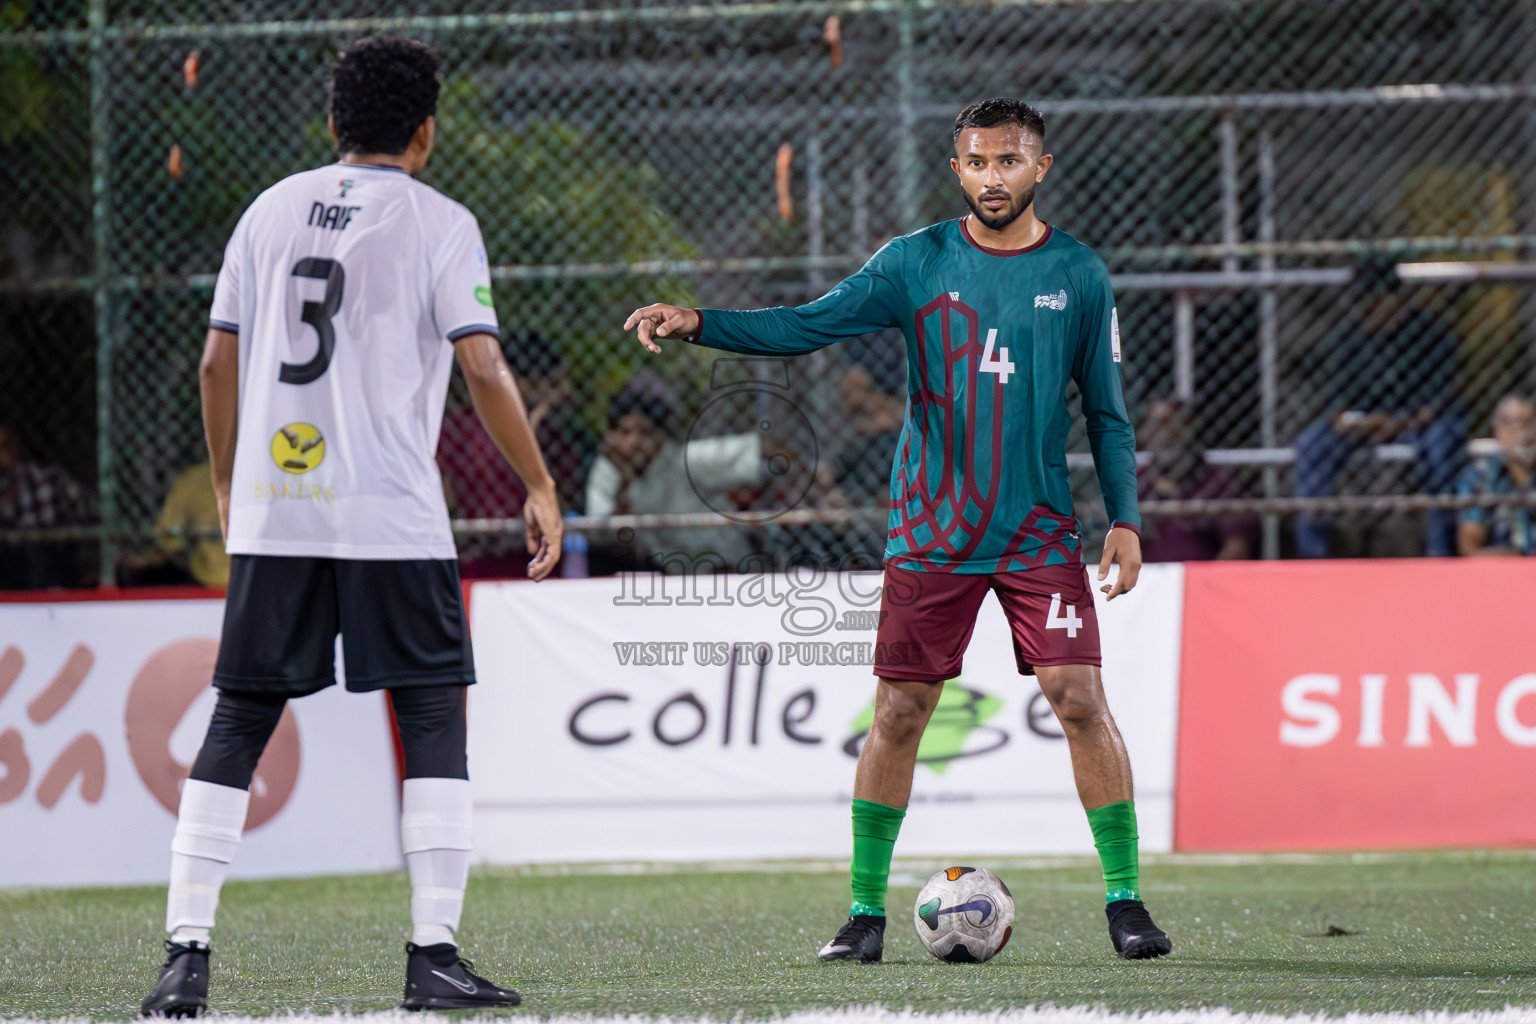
(500, 407)
(868, 301)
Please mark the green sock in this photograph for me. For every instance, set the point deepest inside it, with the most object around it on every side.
(1114, 833)
(874, 838)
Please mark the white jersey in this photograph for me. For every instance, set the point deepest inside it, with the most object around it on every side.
(347, 285)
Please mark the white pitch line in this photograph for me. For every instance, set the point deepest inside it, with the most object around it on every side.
(875, 1015)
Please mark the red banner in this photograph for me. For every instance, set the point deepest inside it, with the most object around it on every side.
(1358, 705)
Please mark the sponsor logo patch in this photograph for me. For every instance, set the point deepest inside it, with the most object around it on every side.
(298, 447)
(1057, 301)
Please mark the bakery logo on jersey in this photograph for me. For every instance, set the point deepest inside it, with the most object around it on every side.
(1057, 301)
(298, 447)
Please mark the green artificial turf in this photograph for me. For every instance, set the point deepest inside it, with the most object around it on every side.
(1424, 931)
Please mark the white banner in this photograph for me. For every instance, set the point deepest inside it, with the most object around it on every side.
(626, 719)
(103, 706)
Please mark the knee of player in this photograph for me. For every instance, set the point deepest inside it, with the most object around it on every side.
(1080, 708)
(900, 721)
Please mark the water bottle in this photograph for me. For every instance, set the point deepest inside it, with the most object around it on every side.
(573, 553)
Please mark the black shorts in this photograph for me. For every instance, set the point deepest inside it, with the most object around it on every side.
(401, 624)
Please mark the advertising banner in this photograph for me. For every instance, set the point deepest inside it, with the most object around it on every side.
(1358, 705)
(103, 705)
(634, 718)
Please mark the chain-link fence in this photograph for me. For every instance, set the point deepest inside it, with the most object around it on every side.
(1317, 215)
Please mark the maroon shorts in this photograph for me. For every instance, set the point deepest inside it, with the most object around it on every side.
(926, 619)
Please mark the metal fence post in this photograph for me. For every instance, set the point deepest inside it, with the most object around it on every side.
(101, 216)
(815, 215)
(1269, 339)
(1184, 344)
(1230, 232)
(906, 142)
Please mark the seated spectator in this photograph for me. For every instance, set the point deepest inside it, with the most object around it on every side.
(189, 548)
(862, 461)
(480, 483)
(1177, 471)
(1503, 530)
(34, 496)
(1391, 370)
(641, 468)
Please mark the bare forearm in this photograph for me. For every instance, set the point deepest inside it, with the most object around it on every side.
(219, 383)
(500, 407)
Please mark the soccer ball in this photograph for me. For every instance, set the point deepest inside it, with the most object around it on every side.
(964, 915)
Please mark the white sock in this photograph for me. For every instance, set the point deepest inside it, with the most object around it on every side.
(437, 835)
(208, 827)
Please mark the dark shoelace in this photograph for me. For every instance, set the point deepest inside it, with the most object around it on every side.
(855, 930)
(1135, 918)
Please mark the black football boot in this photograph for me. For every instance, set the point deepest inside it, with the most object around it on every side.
(1133, 933)
(183, 987)
(862, 939)
(437, 978)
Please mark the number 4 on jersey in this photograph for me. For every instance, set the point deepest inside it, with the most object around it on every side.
(999, 364)
(1055, 620)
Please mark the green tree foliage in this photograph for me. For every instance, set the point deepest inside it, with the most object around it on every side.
(550, 193)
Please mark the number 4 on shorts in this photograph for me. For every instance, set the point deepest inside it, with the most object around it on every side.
(1055, 620)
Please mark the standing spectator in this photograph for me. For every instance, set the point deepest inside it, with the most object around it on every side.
(1391, 370)
(35, 496)
(1503, 530)
(1177, 471)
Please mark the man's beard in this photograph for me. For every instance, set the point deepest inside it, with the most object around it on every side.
(998, 221)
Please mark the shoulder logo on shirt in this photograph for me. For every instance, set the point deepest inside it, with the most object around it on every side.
(298, 447)
(1114, 333)
(1057, 301)
(483, 296)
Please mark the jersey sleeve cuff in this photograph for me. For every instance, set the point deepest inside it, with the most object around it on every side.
(698, 332)
(1117, 525)
(468, 329)
(224, 325)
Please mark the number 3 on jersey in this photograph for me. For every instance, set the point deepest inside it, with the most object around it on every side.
(318, 315)
(998, 364)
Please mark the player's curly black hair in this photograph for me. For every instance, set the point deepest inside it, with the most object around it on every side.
(382, 89)
(1001, 110)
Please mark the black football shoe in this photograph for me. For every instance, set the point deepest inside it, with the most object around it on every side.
(437, 978)
(1133, 933)
(183, 987)
(862, 939)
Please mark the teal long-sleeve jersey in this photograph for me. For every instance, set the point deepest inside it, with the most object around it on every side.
(979, 482)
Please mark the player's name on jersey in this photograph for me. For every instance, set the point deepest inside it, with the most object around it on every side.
(334, 217)
(267, 490)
